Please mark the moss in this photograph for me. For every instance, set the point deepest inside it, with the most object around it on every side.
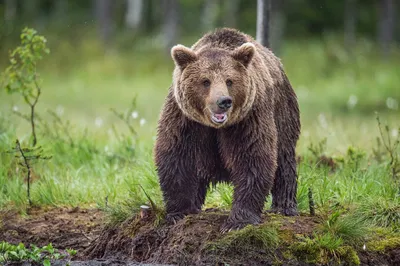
(264, 237)
(349, 255)
(324, 248)
(383, 245)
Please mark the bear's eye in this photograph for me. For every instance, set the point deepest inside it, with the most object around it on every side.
(229, 83)
(206, 83)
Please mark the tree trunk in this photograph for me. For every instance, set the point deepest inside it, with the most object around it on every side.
(210, 14)
(104, 10)
(263, 17)
(386, 26)
(10, 10)
(278, 22)
(61, 10)
(170, 24)
(350, 19)
(231, 9)
(133, 16)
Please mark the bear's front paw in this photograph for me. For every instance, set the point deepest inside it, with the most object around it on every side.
(284, 211)
(230, 225)
(173, 218)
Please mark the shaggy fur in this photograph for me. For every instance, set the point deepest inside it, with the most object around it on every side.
(254, 148)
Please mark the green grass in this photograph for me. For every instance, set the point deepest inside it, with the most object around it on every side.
(105, 165)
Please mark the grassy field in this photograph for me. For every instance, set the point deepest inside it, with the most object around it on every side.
(97, 161)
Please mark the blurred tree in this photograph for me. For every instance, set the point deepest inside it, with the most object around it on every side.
(61, 10)
(386, 25)
(350, 19)
(170, 23)
(134, 12)
(263, 17)
(30, 10)
(103, 9)
(10, 11)
(231, 13)
(210, 14)
(277, 28)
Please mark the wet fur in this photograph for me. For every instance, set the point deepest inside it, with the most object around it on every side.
(255, 151)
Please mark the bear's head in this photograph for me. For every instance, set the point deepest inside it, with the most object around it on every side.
(213, 86)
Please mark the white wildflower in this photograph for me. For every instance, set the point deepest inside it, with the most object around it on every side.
(351, 103)
(134, 114)
(392, 103)
(322, 120)
(15, 108)
(364, 247)
(395, 133)
(142, 122)
(60, 110)
(98, 122)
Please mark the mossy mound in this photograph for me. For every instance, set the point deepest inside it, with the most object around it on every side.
(196, 240)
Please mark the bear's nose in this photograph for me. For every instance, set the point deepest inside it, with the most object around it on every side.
(224, 102)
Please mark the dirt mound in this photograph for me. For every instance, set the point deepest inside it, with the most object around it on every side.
(195, 240)
(64, 228)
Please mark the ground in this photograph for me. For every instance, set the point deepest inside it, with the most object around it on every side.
(192, 241)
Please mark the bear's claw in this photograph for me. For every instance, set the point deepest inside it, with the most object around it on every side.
(284, 211)
(173, 218)
(234, 225)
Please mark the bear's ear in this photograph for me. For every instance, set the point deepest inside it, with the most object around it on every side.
(244, 53)
(183, 56)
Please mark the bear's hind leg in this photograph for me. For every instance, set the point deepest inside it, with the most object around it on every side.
(285, 185)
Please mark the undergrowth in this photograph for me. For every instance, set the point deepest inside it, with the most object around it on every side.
(45, 255)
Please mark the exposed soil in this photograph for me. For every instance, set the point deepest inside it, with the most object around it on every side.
(65, 228)
(193, 241)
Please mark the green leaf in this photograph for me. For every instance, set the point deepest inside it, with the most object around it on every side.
(46, 262)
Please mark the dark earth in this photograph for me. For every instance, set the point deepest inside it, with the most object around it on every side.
(139, 242)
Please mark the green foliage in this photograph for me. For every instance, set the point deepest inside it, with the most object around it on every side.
(351, 229)
(21, 76)
(324, 248)
(381, 211)
(19, 253)
(264, 238)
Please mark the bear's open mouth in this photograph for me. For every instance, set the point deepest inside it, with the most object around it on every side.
(219, 118)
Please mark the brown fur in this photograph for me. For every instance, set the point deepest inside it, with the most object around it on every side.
(254, 148)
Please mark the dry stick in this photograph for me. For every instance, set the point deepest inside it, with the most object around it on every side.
(391, 150)
(311, 202)
(27, 165)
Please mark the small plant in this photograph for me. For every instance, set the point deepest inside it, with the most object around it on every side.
(392, 149)
(351, 229)
(381, 212)
(19, 253)
(27, 156)
(128, 143)
(21, 76)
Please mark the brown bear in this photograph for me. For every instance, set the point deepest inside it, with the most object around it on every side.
(231, 115)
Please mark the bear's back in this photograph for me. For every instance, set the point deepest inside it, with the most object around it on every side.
(224, 38)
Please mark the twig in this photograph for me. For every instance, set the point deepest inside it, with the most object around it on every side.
(28, 167)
